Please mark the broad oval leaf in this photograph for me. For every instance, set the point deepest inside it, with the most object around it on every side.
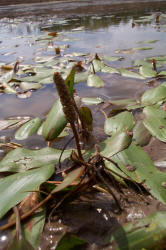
(28, 129)
(72, 176)
(136, 163)
(55, 122)
(130, 74)
(147, 233)
(21, 159)
(152, 96)
(95, 81)
(124, 121)
(147, 72)
(14, 188)
(141, 135)
(108, 69)
(155, 122)
(112, 145)
(92, 100)
(30, 85)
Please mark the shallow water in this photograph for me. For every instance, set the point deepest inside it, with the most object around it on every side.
(105, 28)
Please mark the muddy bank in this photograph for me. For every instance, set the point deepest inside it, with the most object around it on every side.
(71, 8)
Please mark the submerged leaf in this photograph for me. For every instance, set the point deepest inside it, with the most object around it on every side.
(70, 242)
(14, 188)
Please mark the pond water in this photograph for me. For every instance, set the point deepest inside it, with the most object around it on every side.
(132, 31)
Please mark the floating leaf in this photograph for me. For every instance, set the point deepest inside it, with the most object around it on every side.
(141, 135)
(152, 96)
(130, 74)
(112, 58)
(95, 81)
(147, 72)
(113, 145)
(138, 165)
(122, 122)
(126, 103)
(21, 159)
(29, 85)
(147, 233)
(70, 242)
(14, 188)
(92, 100)
(155, 122)
(97, 65)
(81, 77)
(28, 129)
(148, 41)
(107, 69)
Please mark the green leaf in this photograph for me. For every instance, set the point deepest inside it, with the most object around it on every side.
(69, 179)
(112, 58)
(130, 74)
(55, 122)
(112, 145)
(70, 242)
(56, 119)
(21, 159)
(14, 188)
(97, 65)
(147, 72)
(81, 77)
(138, 165)
(34, 228)
(86, 118)
(155, 122)
(152, 96)
(128, 104)
(95, 81)
(28, 129)
(141, 135)
(122, 122)
(108, 69)
(28, 85)
(147, 233)
(92, 100)
(19, 244)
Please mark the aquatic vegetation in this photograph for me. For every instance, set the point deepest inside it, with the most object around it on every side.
(39, 181)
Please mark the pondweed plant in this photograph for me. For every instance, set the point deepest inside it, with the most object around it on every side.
(111, 164)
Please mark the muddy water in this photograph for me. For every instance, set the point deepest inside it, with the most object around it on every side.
(106, 27)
